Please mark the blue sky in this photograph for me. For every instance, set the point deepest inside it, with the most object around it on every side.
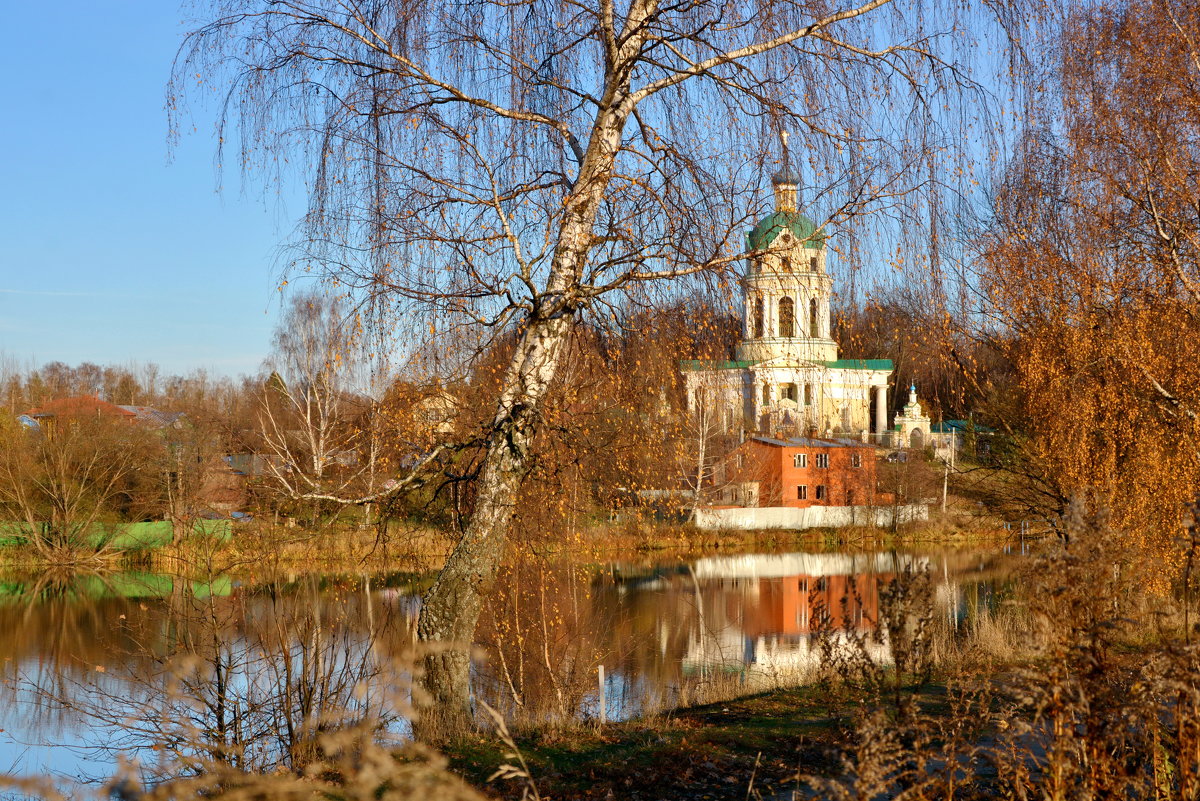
(113, 249)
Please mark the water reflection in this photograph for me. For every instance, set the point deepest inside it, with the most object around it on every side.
(680, 632)
(248, 672)
(174, 671)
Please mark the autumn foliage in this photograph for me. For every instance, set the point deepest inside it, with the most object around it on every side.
(1090, 268)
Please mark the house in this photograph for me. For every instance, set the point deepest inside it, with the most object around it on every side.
(951, 438)
(802, 482)
(77, 407)
(801, 472)
(81, 406)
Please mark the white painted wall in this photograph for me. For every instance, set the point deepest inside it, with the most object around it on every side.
(810, 517)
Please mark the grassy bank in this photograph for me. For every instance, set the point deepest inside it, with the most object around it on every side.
(708, 751)
(339, 546)
(755, 746)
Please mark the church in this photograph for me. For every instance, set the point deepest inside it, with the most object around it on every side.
(786, 378)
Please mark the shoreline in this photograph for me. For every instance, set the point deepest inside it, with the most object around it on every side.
(420, 548)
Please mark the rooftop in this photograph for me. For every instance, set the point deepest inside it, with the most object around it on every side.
(810, 442)
(78, 406)
(771, 226)
(93, 406)
(959, 426)
(715, 364)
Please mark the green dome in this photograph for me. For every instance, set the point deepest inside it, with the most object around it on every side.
(773, 224)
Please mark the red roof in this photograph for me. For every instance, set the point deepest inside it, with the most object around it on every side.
(79, 406)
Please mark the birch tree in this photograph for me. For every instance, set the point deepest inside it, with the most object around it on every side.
(500, 167)
(305, 407)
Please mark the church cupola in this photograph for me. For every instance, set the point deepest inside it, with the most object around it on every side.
(786, 182)
(787, 215)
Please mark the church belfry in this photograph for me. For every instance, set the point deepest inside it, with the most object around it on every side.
(786, 275)
(786, 376)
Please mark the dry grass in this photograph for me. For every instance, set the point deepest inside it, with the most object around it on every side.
(1083, 692)
(353, 766)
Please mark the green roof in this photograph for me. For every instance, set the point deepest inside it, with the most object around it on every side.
(773, 224)
(861, 364)
(715, 364)
(952, 426)
(840, 364)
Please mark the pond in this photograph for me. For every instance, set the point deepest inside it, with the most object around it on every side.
(159, 668)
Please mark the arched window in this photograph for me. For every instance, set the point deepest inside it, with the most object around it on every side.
(812, 264)
(758, 318)
(787, 317)
(814, 325)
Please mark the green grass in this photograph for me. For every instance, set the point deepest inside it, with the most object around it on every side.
(123, 536)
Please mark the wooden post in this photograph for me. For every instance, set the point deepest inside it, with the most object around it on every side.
(603, 698)
(945, 483)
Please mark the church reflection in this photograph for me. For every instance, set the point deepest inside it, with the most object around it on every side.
(757, 615)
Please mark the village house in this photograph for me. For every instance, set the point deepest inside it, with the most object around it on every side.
(217, 489)
(801, 472)
(81, 406)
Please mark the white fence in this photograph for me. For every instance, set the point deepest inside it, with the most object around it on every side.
(809, 517)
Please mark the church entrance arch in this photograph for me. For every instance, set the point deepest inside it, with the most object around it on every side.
(916, 439)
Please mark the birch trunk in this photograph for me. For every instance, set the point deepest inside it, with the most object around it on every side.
(451, 607)
(450, 610)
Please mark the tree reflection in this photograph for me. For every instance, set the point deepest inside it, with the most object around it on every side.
(250, 680)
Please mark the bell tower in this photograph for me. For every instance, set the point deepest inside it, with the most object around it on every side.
(786, 288)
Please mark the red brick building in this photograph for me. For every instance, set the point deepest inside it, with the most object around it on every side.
(786, 605)
(803, 472)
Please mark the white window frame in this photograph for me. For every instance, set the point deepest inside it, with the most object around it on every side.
(823, 460)
(800, 460)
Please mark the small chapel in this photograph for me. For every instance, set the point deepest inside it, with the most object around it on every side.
(786, 378)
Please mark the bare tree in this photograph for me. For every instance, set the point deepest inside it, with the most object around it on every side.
(306, 404)
(195, 480)
(63, 481)
(508, 167)
(714, 416)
